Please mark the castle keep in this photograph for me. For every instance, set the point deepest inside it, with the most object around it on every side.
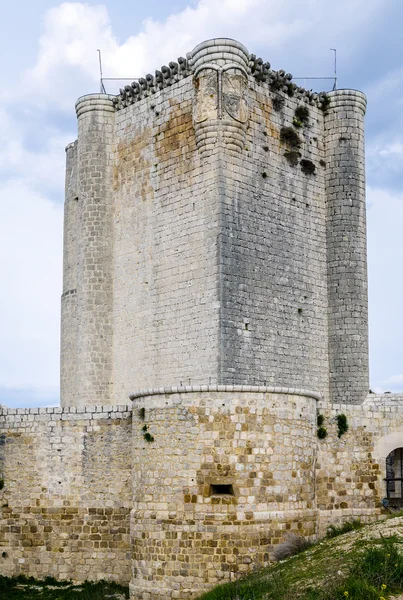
(214, 306)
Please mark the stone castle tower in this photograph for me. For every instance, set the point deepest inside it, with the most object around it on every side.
(213, 236)
(215, 274)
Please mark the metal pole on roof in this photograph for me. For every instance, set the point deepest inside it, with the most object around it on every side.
(101, 83)
(335, 67)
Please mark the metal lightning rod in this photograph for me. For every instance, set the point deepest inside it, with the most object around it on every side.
(101, 83)
(335, 67)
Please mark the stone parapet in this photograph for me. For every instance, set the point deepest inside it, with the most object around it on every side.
(95, 102)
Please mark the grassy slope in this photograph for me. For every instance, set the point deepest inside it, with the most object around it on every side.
(22, 588)
(353, 566)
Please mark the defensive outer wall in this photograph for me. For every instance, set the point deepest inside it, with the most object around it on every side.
(215, 274)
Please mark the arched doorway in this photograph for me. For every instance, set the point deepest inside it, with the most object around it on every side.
(394, 477)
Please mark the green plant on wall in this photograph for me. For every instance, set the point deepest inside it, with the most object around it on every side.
(342, 424)
(290, 137)
(325, 103)
(292, 157)
(322, 431)
(301, 118)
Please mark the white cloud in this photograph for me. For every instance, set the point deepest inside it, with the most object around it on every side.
(385, 257)
(391, 149)
(396, 380)
(31, 268)
(67, 62)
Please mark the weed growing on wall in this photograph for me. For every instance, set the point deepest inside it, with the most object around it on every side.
(289, 136)
(322, 433)
(292, 157)
(302, 115)
(278, 103)
(342, 425)
(307, 167)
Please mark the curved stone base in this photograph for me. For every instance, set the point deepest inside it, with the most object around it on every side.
(220, 477)
(182, 556)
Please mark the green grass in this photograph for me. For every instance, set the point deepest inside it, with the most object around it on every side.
(28, 588)
(334, 531)
(352, 566)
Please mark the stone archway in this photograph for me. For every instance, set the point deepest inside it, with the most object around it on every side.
(394, 478)
(389, 453)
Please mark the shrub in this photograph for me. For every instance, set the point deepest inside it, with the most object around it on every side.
(320, 420)
(342, 424)
(278, 103)
(290, 137)
(302, 114)
(293, 544)
(292, 157)
(307, 167)
(322, 433)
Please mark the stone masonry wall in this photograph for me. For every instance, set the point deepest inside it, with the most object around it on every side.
(64, 507)
(273, 250)
(350, 470)
(165, 258)
(186, 537)
(76, 503)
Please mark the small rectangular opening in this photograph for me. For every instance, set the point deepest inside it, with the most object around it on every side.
(221, 489)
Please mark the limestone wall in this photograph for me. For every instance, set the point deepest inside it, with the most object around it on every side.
(187, 535)
(273, 251)
(165, 261)
(64, 507)
(350, 469)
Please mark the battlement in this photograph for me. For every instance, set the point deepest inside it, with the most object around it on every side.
(224, 51)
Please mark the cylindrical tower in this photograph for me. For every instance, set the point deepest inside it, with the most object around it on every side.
(220, 475)
(95, 114)
(346, 247)
(68, 343)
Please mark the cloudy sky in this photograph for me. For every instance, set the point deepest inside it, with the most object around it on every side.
(49, 52)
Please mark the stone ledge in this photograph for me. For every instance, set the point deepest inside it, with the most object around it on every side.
(261, 389)
(94, 411)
